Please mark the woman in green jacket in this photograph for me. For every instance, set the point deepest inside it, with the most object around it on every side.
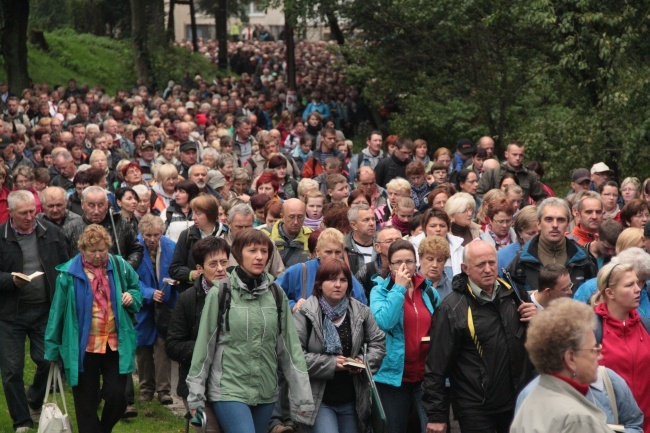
(90, 328)
(242, 343)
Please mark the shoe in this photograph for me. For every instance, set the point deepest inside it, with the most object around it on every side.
(130, 412)
(281, 428)
(23, 429)
(35, 414)
(165, 399)
(146, 397)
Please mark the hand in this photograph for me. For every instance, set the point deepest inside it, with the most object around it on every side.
(298, 304)
(20, 282)
(430, 179)
(436, 427)
(402, 276)
(195, 274)
(339, 363)
(158, 296)
(356, 370)
(527, 311)
(127, 299)
(245, 198)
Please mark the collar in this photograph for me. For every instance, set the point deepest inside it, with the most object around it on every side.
(533, 299)
(481, 294)
(582, 388)
(17, 233)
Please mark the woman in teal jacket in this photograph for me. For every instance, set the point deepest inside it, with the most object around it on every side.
(91, 330)
(403, 304)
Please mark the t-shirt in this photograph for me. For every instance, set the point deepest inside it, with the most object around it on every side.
(366, 252)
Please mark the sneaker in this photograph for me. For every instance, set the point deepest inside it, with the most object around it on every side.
(35, 414)
(130, 412)
(281, 428)
(165, 399)
(146, 397)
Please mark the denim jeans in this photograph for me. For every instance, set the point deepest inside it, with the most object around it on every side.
(336, 419)
(398, 402)
(237, 417)
(30, 322)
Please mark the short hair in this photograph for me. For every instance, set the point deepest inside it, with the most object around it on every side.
(224, 159)
(415, 168)
(391, 140)
(63, 154)
(326, 130)
(208, 246)
(356, 194)
(53, 189)
(248, 237)
(151, 222)
(405, 203)
(333, 163)
(536, 167)
(374, 132)
(400, 184)
(242, 210)
(126, 167)
(399, 245)
(207, 204)
(121, 192)
(19, 196)
(23, 170)
(141, 190)
(189, 187)
(524, 219)
(459, 203)
(314, 194)
(630, 237)
(553, 202)
(436, 246)
(93, 189)
(331, 269)
(82, 177)
(500, 205)
(441, 151)
(580, 197)
(353, 212)
(447, 190)
(195, 166)
(165, 172)
(240, 173)
(330, 235)
(634, 181)
(404, 143)
(556, 329)
(277, 161)
(549, 275)
(41, 174)
(313, 240)
(334, 179)
(435, 213)
(335, 215)
(461, 177)
(609, 231)
(438, 166)
(632, 208)
(415, 223)
(258, 201)
(273, 207)
(306, 185)
(92, 236)
(602, 186)
(638, 258)
(269, 177)
(96, 154)
(514, 188)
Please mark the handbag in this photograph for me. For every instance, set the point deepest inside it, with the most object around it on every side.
(378, 420)
(52, 420)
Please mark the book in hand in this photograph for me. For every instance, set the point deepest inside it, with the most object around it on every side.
(27, 278)
(426, 339)
(353, 363)
(616, 427)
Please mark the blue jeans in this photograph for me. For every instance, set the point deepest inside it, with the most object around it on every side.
(336, 419)
(237, 417)
(30, 322)
(398, 402)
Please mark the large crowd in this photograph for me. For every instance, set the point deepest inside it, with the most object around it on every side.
(228, 226)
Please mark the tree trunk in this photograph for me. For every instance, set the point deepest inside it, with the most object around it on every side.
(195, 39)
(335, 29)
(221, 16)
(139, 35)
(291, 53)
(14, 43)
(171, 37)
(156, 12)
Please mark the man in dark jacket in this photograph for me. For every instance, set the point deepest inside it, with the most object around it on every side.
(551, 246)
(359, 243)
(477, 342)
(27, 245)
(395, 165)
(96, 207)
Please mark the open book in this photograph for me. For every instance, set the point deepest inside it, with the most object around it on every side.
(426, 339)
(349, 362)
(616, 427)
(27, 277)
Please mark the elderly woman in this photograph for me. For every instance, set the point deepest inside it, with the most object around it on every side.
(91, 328)
(205, 214)
(403, 304)
(439, 196)
(24, 179)
(499, 231)
(132, 174)
(630, 189)
(436, 222)
(434, 253)
(562, 346)
(624, 334)
(396, 189)
(460, 208)
(166, 180)
(332, 327)
(635, 213)
(525, 227)
(247, 318)
(154, 367)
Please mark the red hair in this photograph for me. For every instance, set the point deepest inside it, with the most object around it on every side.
(269, 177)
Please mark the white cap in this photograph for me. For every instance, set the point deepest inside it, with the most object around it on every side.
(600, 167)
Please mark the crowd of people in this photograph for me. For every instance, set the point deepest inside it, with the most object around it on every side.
(219, 227)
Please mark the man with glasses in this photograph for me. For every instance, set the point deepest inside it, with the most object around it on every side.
(290, 235)
(315, 165)
(554, 282)
(395, 165)
(600, 173)
(383, 240)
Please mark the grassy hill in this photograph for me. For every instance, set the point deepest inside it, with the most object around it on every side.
(106, 62)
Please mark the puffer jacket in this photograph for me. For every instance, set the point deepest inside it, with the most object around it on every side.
(321, 366)
(240, 363)
(485, 381)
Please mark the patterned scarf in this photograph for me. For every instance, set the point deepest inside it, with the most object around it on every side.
(419, 193)
(400, 225)
(500, 242)
(330, 334)
(100, 286)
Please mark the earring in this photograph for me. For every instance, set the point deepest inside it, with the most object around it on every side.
(574, 373)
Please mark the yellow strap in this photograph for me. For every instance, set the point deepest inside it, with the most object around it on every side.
(472, 331)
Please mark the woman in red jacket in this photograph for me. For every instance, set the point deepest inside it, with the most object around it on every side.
(625, 341)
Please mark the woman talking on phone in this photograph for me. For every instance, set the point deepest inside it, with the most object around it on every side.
(403, 304)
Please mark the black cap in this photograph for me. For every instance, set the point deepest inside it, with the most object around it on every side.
(465, 146)
(188, 145)
(5, 141)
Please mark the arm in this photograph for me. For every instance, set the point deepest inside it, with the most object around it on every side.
(376, 341)
(54, 330)
(132, 282)
(178, 269)
(357, 292)
(387, 306)
(320, 366)
(629, 413)
(179, 343)
(134, 248)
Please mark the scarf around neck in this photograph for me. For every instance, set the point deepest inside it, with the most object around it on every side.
(100, 286)
(400, 225)
(500, 242)
(312, 224)
(332, 314)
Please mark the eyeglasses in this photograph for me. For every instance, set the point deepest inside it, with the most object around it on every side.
(566, 290)
(595, 350)
(387, 241)
(502, 222)
(401, 262)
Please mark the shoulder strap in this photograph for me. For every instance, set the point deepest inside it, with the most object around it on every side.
(304, 281)
(472, 331)
(599, 329)
(646, 323)
(275, 289)
(225, 293)
(610, 391)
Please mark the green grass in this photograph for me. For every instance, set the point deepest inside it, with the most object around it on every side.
(106, 62)
(152, 417)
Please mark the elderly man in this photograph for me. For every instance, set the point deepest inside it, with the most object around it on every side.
(65, 166)
(366, 182)
(241, 217)
(600, 173)
(359, 242)
(199, 175)
(111, 127)
(27, 246)
(383, 240)
(481, 323)
(95, 205)
(289, 233)
(55, 203)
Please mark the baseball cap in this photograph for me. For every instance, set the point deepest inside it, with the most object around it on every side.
(146, 143)
(188, 145)
(216, 179)
(465, 146)
(580, 175)
(600, 167)
(5, 141)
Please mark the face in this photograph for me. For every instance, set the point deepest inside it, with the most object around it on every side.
(581, 186)
(340, 192)
(591, 216)
(440, 176)
(386, 238)
(244, 131)
(169, 151)
(640, 218)
(334, 289)
(470, 185)
(96, 255)
(516, 198)
(553, 224)
(240, 186)
(405, 215)
(478, 163)
(417, 180)
(515, 155)
(463, 219)
(529, 232)
(501, 224)
(144, 203)
(199, 176)
(401, 257)
(586, 359)
(488, 145)
(629, 192)
(188, 157)
(169, 183)
(23, 216)
(254, 258)
(436, 227)
(281, 172)
(394, 195)
(133, 176)
(228, 168)
(365, 223)
(101, 143)
(432, 266)
(315, 208)
(609, 197)
(240, 222)
(329, 250)
(147, 153)
(67, 169)
(293, 219)
(201, 220)
(367, 182)
(481, 266)
(600, 178)
(327, 142)
(359, 201)
(181, 197)
(152, 238)
(214, 267)
(343, 148)
(507, 182)
(403, 153)
(266, 189)
(421, 151)
(129, 202)
(374, 144)
(313, 121)
(22, 182)
(444, 159)
(95, 207)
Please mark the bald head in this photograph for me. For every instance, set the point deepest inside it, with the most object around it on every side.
(293, 216)
(490, 164)
(480, 264)
(487, 143)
